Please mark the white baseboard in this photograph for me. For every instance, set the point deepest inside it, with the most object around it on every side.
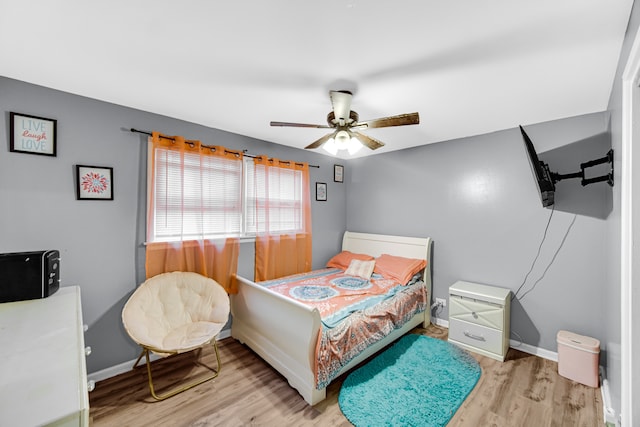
(536, 351)
(123, 367)
(440, 322)
(609, 413)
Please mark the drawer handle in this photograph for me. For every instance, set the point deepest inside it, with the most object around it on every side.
(475, 337)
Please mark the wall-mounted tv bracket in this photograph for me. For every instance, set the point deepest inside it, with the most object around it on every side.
(586, 181)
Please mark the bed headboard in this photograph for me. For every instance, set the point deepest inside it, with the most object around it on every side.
(378, 244)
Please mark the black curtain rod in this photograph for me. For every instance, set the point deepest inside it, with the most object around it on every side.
(244, 152)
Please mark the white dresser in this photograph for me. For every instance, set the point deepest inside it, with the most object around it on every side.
(43, 375)
(479, 318)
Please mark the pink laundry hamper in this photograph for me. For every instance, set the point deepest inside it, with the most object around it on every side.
(578, 358)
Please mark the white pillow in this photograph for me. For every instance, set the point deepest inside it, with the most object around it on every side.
(359, 268)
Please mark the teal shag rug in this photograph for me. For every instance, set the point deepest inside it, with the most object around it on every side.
(419, 381)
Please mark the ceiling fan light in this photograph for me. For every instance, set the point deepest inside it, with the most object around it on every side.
(354, 146)
(342, 140)
(330, 147)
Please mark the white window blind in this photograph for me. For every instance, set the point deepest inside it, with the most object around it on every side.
(273, 199)
(195, 196)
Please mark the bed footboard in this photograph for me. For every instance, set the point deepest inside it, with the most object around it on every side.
(283, 332)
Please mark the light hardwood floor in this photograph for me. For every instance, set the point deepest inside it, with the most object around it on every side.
(525, 390)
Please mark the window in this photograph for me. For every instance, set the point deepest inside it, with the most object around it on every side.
(196, 196)
(273, 199)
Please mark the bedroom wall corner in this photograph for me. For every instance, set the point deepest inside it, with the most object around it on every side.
(477, 199)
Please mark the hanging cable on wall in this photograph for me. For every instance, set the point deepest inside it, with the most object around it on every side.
(535, 259)
(544, 237)
(564, 238)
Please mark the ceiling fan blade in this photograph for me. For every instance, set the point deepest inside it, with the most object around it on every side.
(320, 141)
(341, 102)
(299, 125)
(399, 120)
(368, 141)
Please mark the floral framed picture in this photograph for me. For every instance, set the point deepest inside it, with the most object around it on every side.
(94, 183)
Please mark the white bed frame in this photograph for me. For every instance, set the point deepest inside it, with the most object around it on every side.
(284, 332)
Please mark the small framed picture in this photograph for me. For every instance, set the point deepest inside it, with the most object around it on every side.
(321, 191)
(94, 183)
(338, 173)
(32, 135)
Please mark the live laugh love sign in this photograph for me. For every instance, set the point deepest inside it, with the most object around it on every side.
(34, 135)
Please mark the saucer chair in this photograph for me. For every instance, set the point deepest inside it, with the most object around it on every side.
(174, 313)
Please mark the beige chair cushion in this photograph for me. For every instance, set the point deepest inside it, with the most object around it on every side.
(176, 312)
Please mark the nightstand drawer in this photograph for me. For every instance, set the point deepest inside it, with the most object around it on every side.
(478, 312)
(475, 335)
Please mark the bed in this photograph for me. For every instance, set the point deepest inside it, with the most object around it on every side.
(286, 332)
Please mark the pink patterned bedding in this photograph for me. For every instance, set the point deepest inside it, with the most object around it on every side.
(355, 312)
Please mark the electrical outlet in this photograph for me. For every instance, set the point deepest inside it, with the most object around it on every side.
(441, 301)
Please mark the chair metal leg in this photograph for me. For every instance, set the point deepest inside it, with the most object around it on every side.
(138, 359)
(180, 389)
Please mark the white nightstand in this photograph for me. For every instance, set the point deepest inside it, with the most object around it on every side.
(479, 318)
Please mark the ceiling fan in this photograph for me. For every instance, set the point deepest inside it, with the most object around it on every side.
(346, 124)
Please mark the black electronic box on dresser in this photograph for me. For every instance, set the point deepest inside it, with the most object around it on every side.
(29, 275)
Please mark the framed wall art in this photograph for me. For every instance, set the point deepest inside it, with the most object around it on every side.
(94, 183)
(321, 191)
(338, 173)
(32, 135)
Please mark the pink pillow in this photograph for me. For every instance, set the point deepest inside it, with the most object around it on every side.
(344, 258)
(399, 268)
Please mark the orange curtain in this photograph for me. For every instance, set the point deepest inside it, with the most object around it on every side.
(283, 237)
(215, 259)
(189, 248)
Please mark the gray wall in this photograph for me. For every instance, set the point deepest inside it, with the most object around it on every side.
(101, 241)
(476, 197)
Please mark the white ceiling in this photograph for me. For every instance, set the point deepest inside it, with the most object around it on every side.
(468, 67)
